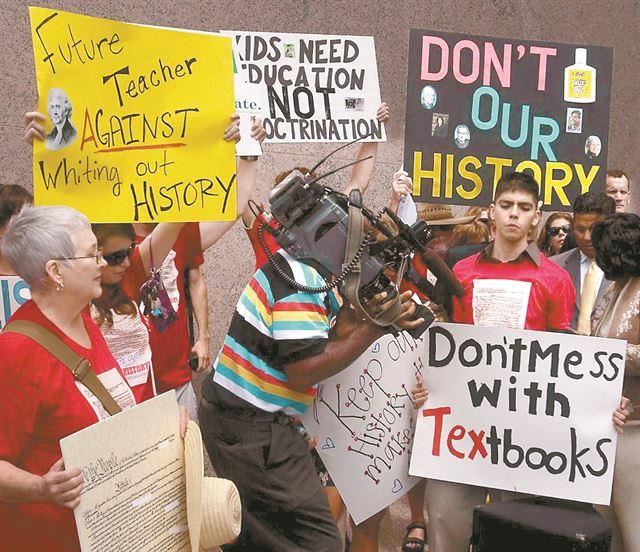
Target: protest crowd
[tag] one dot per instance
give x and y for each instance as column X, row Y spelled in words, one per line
column 131, row 299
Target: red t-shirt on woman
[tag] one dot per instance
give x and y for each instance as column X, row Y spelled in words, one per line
column 41, row 404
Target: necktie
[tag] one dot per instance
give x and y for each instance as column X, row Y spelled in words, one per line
column 588, row 298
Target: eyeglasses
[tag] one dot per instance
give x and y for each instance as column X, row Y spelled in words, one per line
column 118, row 257
column 556, row 229
column 98, row 257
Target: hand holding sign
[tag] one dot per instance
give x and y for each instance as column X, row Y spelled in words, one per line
column 401, row 185
column 419, row 393
column 232, row 132
column 383, row 113
column 622, row 413
column 61, row 486
column 34, row 129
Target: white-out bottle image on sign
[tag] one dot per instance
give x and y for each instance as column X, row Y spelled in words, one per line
column 580, row 80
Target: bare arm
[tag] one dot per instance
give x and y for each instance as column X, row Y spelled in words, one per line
column 200, row 302
column 349, row 338
column 362, row 172
column 246, row 174
column 347, row 341
column 17, row 485
column 58, row 485
column 161, row 239
column 211, row 232
column 247, row 215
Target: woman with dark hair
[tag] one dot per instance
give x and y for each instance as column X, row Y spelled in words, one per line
column 124, row 327
column 554, row 233
column 617, row 244
column 171, row 350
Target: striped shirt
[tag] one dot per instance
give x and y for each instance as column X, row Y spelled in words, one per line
column 274, row 325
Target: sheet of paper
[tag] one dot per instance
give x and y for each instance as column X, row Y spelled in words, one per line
column 363, row 421
column 249, row 103
column 500, row 303
column 407, row 211
column 134, row 486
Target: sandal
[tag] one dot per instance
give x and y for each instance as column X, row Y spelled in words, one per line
column 414, row 544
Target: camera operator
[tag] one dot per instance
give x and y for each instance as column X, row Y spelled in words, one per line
column 281, row 343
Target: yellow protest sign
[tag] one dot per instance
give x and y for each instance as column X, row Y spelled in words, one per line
column 135, row 118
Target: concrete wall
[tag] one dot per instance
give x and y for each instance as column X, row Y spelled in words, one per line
column 608, row 23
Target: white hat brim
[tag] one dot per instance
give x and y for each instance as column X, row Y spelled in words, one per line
column 194, row 473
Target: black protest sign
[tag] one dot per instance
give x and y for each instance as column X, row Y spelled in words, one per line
column 478, row 107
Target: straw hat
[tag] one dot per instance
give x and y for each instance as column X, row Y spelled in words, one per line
column 440, row 215
column 214, row 513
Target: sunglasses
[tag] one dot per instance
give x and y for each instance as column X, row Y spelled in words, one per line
column 556, row 230
column 118, row 257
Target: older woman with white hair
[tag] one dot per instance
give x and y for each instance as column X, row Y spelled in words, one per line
column 54, row 250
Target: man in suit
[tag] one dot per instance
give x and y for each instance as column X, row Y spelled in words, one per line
column 618, row 189
column 588, row 279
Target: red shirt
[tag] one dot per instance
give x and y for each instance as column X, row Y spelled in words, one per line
column 128, row 338
column 171, row 349
column 272, row 244
column 42, row 403
column 551, row 297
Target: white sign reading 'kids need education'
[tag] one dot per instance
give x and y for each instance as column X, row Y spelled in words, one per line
column 520, row 410
column 363, row 419
column 315, row 88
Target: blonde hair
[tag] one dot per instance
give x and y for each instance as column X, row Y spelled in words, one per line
column 475, row 231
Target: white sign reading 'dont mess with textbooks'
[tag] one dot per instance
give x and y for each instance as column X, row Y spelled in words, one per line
column 520, row 410
column 316, row 88
column 362, row 419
